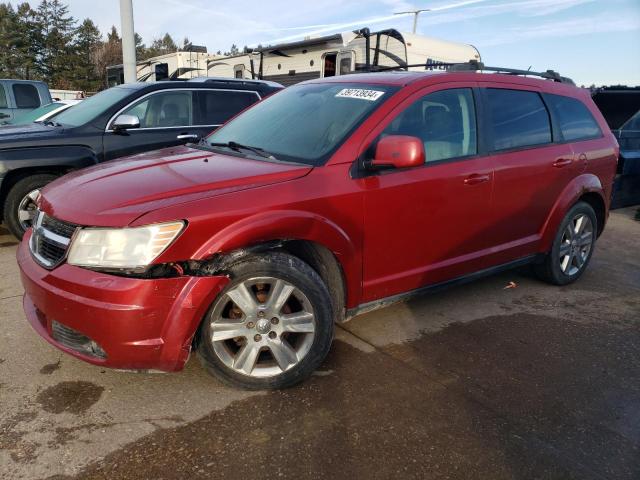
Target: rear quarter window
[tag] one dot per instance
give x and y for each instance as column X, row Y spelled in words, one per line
column 518, row 118
column 218, row 106
column 26, row 95
column 574, row 118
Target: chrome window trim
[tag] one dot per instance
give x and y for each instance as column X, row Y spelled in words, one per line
column 108, row 129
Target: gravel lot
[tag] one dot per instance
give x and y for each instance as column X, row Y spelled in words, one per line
column 478, row 381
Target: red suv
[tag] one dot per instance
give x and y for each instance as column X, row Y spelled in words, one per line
column 327, row 199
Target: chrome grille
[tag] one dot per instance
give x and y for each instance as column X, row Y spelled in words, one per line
column 76, row 341
column 50, row 240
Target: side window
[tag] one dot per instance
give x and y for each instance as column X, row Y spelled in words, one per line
column 218, row 106
column 164, row 109
column 330, row 60
column 633, row 124
column 518, row 119
column 26, row 95
column 238, row 71
column 345, row 62
column 3, row 97
column 575, row 119
column 444, row 120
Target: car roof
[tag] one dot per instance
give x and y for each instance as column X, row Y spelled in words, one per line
column 260, row 86
column 403, row 78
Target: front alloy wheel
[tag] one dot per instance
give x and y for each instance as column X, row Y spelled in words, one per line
column 262, row 327
column 271, row 327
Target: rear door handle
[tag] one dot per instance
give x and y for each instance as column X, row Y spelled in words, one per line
column 188, row 136
column 476, row 178
column 563, row 162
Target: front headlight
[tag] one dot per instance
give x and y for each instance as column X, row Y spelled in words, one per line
column 122, row 247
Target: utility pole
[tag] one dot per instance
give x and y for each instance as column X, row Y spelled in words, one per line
column 128, row 41
column 415, row 14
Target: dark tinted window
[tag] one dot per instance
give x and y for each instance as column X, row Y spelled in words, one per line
column 216, row 107
column 575, row 119
column 518, row 119
column 3, row 97
column 633, row 124
column 445, row 121
column 26, row 95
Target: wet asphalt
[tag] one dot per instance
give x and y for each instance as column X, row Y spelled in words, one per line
column 479, row 381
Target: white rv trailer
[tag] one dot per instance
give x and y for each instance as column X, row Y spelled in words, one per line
column 171, row 66
column 341, row 54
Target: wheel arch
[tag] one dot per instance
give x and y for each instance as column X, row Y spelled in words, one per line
column 322, row 244
column 587, row 188
column 21, row 163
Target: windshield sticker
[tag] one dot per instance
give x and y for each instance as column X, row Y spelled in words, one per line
column 360, row 93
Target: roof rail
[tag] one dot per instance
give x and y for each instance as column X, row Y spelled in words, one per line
column 475, row 65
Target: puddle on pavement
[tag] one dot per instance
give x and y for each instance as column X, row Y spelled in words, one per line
column 514, row 396
column 49, row 368
column 73, row 397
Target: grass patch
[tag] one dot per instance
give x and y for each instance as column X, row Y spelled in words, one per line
column 638, row 214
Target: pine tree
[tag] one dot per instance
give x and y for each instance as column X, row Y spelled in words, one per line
column 8, row 25
column 162, row 46
column 141, row 48
column 86, row 45
column 110, row 53
column 57, row 29
column 28, row 40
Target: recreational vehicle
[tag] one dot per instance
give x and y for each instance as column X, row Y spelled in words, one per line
column 171, row 66
column 341, row 54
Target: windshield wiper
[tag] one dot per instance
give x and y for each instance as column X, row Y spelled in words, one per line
column 51, row 123
column 238, row 146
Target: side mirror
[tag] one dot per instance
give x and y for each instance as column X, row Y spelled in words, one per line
column 125, row 122
column 399, row 151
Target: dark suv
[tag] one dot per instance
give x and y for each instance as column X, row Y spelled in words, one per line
column 123, row 120
column 328, row 199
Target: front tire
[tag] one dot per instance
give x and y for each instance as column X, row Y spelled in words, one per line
column 271, row 327
column 20, row 206
column 572, row 247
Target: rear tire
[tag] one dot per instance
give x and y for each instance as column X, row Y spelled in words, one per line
column 572, row 247
column 20, row 202
column 271, row 327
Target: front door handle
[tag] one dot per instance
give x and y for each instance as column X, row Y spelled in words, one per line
column 476, row 178
column 563, row 162
column 188, row 136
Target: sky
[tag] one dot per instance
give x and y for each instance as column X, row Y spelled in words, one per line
column 592, row 41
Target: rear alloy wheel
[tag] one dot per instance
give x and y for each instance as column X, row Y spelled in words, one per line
column 20, row 204
column 271, row 327
column 572, row 248
column 575, row 244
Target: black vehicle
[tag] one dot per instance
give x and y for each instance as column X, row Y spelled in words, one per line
column 620, row 107
column 117, row 122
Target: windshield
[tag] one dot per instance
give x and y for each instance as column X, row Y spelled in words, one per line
column 89, row 109
column 304, row 123
column 33, row 115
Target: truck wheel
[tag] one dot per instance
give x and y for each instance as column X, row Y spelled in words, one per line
column 20, row 204
column 572, row 248
column 271, row 327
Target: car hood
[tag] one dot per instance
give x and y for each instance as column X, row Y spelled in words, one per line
column 116, row 193
column 14, row 135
